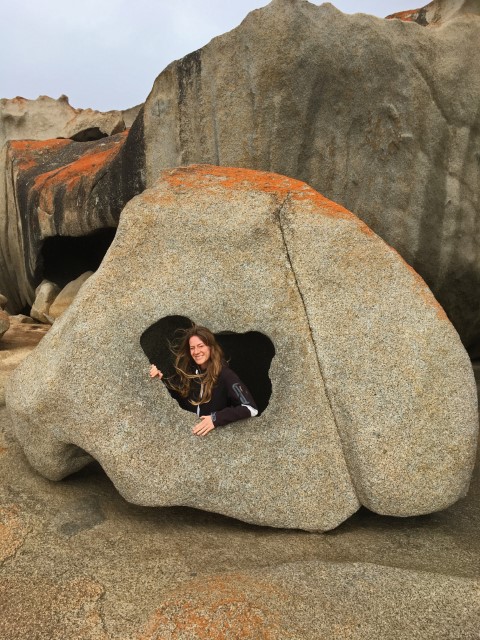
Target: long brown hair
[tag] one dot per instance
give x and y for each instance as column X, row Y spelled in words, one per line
column 185, row 365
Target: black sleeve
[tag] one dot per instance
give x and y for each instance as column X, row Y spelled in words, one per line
column 241, row 404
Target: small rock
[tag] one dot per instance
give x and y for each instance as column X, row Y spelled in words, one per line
column 4, row 322
column 66, row 296
column 3, row 301
column 45, row 294
column 20, row 318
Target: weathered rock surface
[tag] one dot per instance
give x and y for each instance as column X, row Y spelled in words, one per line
column 55, row 189
column 356, row 601
column 363, row 408
column 45, row 118
column 21, row 318
column 378, row 115
column 17, row 343
column 45, row 294
column 67, row 295
column 56, row 532
column 4, row 322
column 439, row 11
column 130, row 115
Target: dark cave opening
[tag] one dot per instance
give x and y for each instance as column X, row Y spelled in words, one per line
column 248, row 354
column 64, row 258
column 87, row 135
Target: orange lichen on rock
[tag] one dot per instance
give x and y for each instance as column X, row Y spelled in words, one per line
column 70, row 176
column 38, row 145
column 211, row 177
column 13, row 531
column 218, row 607
column 407, row 16
column 26, row 154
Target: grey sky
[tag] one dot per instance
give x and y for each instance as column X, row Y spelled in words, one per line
column 105, row 54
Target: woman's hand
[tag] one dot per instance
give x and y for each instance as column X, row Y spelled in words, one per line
column 204, row 426
column 154, row 372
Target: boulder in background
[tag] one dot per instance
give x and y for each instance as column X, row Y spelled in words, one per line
column 45, row 294
column 439, row 11
column 67, row 295
column 46, row 118
column 56, row 189
column 4, row 322
column 380, row 116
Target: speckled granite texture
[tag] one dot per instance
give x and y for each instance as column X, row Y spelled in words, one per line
column 373, row 396
column 380, row 116
column 356, row 601
column 4, row 322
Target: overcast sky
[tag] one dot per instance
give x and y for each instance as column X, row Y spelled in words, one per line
column 106, row 54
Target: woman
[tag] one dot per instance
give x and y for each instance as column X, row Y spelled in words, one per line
column 205, row 384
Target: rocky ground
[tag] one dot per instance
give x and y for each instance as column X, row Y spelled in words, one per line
column 78, row 562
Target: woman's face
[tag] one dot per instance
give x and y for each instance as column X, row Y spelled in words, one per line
column 199, row 351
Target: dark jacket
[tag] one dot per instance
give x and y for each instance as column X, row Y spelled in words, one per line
column 231, row 400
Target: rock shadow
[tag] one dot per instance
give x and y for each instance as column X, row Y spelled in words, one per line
column 64, row 258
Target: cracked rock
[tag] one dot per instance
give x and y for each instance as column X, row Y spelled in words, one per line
column 373, row 397
column 379, row 115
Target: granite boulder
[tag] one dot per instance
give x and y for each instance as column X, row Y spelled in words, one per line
column 373, row 399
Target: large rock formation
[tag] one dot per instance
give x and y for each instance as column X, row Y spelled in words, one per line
column 45, row 118
column 62, row 188
column 373, row 399
column 439, row 11
column 51, row 189
column 59, row 205
column 378, row 115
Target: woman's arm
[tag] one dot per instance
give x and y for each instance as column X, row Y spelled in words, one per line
column 241, row 403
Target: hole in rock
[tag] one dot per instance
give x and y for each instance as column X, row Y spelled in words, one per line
column 64, row 258
column 248, row 354
column 87, row 135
